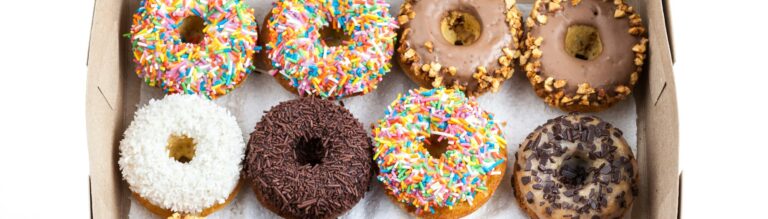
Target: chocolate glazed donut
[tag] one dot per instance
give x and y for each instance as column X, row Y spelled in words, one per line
column 467, row 45
column 584, row 55
column 309, row 158
column 575, row 166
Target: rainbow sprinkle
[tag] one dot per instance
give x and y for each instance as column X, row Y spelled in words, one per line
column 300, row 55
column 212, row 67
column 411, row 175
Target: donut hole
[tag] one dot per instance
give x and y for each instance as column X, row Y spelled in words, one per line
column 309, row 151
column 460, row 28
column 583, row 42
column 574, row 171
column 181, row 148
column 436, row 146
column 333, row 36
column 191, row 29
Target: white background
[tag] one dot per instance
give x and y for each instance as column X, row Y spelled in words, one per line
column 720, row 72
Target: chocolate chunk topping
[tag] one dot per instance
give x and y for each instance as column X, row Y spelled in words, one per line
column 309, row 158
column 525, row 180
column 572, row 155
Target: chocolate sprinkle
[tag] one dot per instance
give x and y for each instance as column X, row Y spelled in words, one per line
column 309, row 158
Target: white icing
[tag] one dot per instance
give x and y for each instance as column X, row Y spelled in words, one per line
column 207, row 179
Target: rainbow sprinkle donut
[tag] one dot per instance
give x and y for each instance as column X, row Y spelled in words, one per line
column 463, row 177
column 299, row 57
column 193, row 46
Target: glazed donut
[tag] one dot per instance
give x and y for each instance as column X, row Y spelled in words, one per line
column 575, row 166
column 584, row 55
column 328, row 49
column 309, row 158
column 417, row 174
column 188, row 46
column 467, row 45
column 182, row 154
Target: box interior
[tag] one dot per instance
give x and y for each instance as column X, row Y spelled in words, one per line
column 112, row 94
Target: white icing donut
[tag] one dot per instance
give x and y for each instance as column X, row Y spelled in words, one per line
column 211, row 174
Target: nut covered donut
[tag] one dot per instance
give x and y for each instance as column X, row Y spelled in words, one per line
column 575, row 166
column 329, row 49
column 309, row 158
column 439, row 155
column 467, row 45
column 584, row 55
column 190, row 46
column 182, row 154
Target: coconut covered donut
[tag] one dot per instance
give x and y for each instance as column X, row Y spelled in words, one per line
column 584, row 55
column 467, row 45
column 575, row 166
column 328, row 49
column 309, row 158
column 182, row 154
column 191, row 46
column 439, row 155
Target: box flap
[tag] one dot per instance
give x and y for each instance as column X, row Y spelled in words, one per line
column 104, row 108
column 658, row 123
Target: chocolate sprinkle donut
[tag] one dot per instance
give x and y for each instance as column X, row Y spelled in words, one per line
column 575, row 166
column 309, row 158
column 584, row 55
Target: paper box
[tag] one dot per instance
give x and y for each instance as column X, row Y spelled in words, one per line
column 112, row 94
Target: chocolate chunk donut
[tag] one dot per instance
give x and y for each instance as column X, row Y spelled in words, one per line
column 575, row 166
column 309, row 158
column 584, row 55
column 467, row 45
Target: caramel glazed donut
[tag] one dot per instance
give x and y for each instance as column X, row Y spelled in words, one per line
column 466, row 45
column 575, row 166
column 584, row 55
column 309, row 158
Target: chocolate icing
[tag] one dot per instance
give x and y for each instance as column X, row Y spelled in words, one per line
column 611, row 68
column 496, row 34
column 575, row 84
column 576, row 166
column 309, row 158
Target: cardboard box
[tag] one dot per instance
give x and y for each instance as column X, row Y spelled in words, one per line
column 112, row 94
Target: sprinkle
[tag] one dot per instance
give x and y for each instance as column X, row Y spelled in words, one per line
column 221, row 60
column 474, row 147
column 298, row 52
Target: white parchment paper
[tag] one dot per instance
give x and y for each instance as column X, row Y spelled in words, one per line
column 516, row 104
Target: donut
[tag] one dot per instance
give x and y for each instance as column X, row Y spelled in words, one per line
column 328, row 49
column 575, row 166
column 182, row 154
column 309, row 158
column 466, row 45
column 439, row 155
column 194, row 47
column 584, row 55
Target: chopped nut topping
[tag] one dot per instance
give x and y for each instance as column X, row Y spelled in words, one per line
column 402, row 19
column 408, row 54
column 619, row 13
column 509, row 3
column 548, row 84
column 584, row 88
column 452, row 70
column 553, row 6
column 575, row 2
column 560, row 84
column 542, row 19
column 536, row 53
column 538, row 41
column 428, row 45
column 425, row 67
